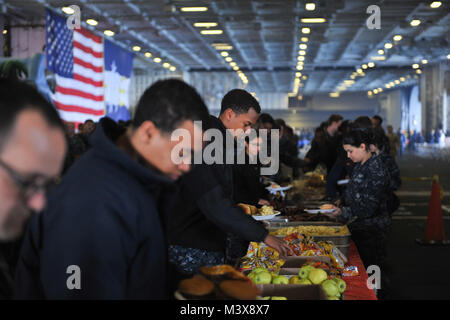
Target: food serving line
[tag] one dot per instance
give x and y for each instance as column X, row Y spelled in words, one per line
column 326, row 264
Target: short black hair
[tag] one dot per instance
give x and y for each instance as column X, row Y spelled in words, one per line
column 16, row 97
column 266, row 118
column 378, row 138
column 167, row 103
column 357, row 136
column 362, row 122
column 240, row 101
column 89, row 121
column 378, row 118
column 280, row 123
column 334, row 118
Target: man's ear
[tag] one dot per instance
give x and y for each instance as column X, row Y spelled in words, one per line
column 229, row 113
column 146, row 131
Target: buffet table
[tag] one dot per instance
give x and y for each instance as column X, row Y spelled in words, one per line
column 356, row 286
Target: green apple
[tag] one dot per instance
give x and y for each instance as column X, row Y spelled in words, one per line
column 304, row 271
column 263, row 277
column 304, row 281
column 329, row 286
column 280, row 280
column 266, row 298
column 279, row 298
column 274, row 274
column 341, row 284
column 294, row 280
column 251, row 276
column 317, row 276
column 333, row 298
column 259, row 269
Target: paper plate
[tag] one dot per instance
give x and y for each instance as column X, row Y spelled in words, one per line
column 268, row 217
column 278, row 189
column 341, row 182
column 316, row 211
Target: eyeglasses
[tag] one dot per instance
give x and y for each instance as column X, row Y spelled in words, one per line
column 28, row 188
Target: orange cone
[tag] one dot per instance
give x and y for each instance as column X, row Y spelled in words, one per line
column 435, row 223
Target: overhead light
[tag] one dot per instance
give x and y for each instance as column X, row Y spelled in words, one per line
column 375, row 91
column 334, row 94
column 371, row 64
column 424, row 61
column 388, row 45
column 378, row 58
column 448, row 56
column 359, row 70
column 235, row 68
column 194, row 9
column 418, row 71
column 222, row 46
column 349, row 82
column 301, row 58
column 306, row 30
column 5, row 31
column 313, row 20
column 232, row 64
column 68, row 10
column 300, row 63
column 304, row 39
column 381, row 51
column 303, row 46
column 392, row 84
column 310, row 6
column 166, row 65
column 224, row 54
column 298, row 74
column 415, row 22
column 92, row 22
column 157, row 60
column 402, row 79
column 108, row 33
column 369, row 93
column 136, row 48
column 352, row 76
column 205, row 24
column 305, row 77
column 397, row 81
column 300, row 68
column 364, row 66
column 148, row 55
column 380, row 90
column 172, row 68
column 302, row 52
column 415, row 66
column 435, row 4
column 387, row 85
column 228, row 59
column 211, row 31
column 397, row 37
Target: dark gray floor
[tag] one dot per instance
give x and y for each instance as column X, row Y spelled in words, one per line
column 419, row 272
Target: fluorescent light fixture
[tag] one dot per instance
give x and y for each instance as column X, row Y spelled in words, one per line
column 303, row 46
column 313, row 20
column 205, row 24
column 435, row 4
column 157, row 60
column 67, row 10
column 306, row 30
column 194, row 9
column 108, row 33
column 232, row 64
column 388, row 45
column 211, row 31
column 310, row 6
column 364, row 66
column 228, row 59
column 148, row 55
column 136, row 48
column 224, row 54
column 222, row 46
column 415, row 22
column 371, row 64
column 397, row 37
column 381, row 51
column 92, row 22
column 304, row 39
column 424, row 61
column 172, row 68
column 302, row 52
column 415, row 66
column 378, row 58
column 301, row 58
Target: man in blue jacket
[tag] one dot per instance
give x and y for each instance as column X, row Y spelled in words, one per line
column 101, row 236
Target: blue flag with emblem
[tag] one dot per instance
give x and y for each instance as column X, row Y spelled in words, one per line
column 118, row 69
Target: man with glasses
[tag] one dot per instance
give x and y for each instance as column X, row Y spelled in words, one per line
column 32, row 148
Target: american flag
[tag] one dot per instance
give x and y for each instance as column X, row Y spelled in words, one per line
column 76, row 58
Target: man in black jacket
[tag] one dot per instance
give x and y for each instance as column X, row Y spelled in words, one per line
column 204, row 210
column 101, row 236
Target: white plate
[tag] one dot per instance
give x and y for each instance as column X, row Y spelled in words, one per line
column 278, row 189
column 316, row 211
column 341, row 182
column 268, row 217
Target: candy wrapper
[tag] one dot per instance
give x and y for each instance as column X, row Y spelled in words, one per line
column 338, row 259
column 303, row 245
column 350, row 271
column 259, row 255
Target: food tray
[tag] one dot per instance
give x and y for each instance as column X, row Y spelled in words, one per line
column 293, row 291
